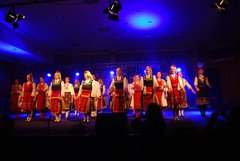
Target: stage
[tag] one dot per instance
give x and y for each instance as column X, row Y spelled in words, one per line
column 192, row 123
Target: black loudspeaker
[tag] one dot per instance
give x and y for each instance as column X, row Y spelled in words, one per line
column 111, row 124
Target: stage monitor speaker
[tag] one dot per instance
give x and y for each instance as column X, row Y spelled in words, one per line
column 111, row 124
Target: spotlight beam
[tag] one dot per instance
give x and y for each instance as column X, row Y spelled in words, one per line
column 29, row 3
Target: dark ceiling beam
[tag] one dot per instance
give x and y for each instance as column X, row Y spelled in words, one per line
column 29, row 2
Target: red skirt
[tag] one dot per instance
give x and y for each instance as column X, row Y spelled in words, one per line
column 159, row 97
column 137, row 100
column 101, row 103
column 55, row 105
column 119, row 101
column 148, row 98
column 175, row 98
column 27, row 102
column 84, row 101
column 76, row 101
column 41, row 101
column 14, row 102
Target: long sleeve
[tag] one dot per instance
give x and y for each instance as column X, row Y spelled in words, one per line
column 141, row 83
column 45, row 87
column 71, row 90
column 96, row 92
column 155, row 83
column 130, row 89
column 50, row 90
column 62, row 89
column 180, row 83
column 125, row 84
column 169, row 85
column 195, row 81
column 104, row 90
column 111, row 87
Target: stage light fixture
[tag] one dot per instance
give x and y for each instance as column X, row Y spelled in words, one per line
column 179, row 69
column 113, row 10
column 13, row 18
column 49, row 75
column 111, row 72
column 77, row 74
column 221, row 5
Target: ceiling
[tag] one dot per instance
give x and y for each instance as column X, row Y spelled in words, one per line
column 77, row 27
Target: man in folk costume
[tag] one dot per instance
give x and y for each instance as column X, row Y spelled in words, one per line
column 28, row 96
column 149, row 83
column 161, row 91
column 202, row 84
column 184, row 95
column 68, row 91
column 174, row 83
column 88, row 92
column 119, row 92
column 135, row 93
column 76, row 88
column 102, row 103
column 41, row 97
column 56, row 92
column 16, row 91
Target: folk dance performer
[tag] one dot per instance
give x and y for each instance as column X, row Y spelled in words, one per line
column 161, row 91
column 174, row 83
column 202, row 84
column 41, row 97
column 56, row 92
column 68, row 97
column 88, row 93
column 16, row 90
column 135, row 92
column 102, row 103
column 149, row 83
column 76, row 99
column 119, row 92
column 28, row 96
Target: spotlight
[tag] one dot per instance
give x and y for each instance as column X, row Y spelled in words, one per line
column 111, row 72
column 113, row 10
column 12, row 17
column 221, row 5
column 77, row 74
column 49, row 75
column 179, row 69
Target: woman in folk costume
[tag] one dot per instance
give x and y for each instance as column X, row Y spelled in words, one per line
column 88, row 92
column 161, row 91
column 75, row 98
column 149, row 83
column 68, row 97
column 202, row 84
column 135, row 92
column 119, row 92
column 102, row 103
column 28, row 96
column 41, row 97
column 16, row 91
column 175, row 85
column 56, row 92
column 184, row 95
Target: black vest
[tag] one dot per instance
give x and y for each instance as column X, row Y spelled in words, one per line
column 148, row 82
column 87, row 86
column 118, row 83
column 56, row 87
